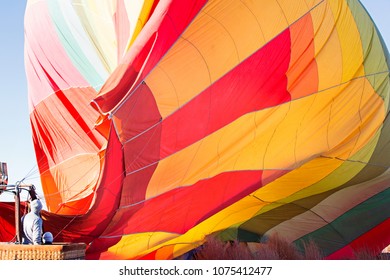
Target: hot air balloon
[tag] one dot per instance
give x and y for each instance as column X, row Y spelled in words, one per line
column 158, row 123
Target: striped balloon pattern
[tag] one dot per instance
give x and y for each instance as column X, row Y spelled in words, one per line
column 158, row 123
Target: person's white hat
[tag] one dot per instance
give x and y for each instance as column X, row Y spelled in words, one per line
column 47, row 238
column 36, row 206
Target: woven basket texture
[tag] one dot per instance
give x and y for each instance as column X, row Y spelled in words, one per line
column 56, row 251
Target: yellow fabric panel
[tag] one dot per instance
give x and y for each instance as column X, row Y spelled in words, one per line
column 234, row 22
column 234, row 214
column 283, row 137
column 192, row 65
column 66, row 176
column 322, row 174
column 365, row 113
column 297, row 179
column 344, row 173
column 350, row 42
column 339, row 52
column 322, row 214
column 180, row 75
column 339, row 171
column 133, row 245
column 316, row 177
column 98, row 23
column 292, row 10
column 142, row 17
column 384, row 81
column 266, row 13
column 365, row 124
column 327, row 47
column 280, row 13
column 217, row 153
column 312, row 3
column 220, row 221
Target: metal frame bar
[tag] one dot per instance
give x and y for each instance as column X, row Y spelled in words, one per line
column 16, row 190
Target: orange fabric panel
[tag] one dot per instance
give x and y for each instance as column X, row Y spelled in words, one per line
column 67, row 145
column 302, row 74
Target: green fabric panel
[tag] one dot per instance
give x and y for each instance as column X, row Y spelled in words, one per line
column 256, row 227
column 380, row 159
column 72, row 47
column 263, row 222
column 376, row 55
column 351, row 224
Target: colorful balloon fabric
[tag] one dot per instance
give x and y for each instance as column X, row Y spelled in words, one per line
column 158, row 123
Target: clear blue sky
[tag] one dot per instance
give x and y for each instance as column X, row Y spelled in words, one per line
column 15, row 142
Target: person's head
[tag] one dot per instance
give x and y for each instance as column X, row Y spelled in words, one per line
column 47, row 238
column 36, row 206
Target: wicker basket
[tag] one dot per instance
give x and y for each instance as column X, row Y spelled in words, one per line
column 56, row 251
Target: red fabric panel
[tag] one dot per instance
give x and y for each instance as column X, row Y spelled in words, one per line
column 85, row 228
column 182, row 208
column 122, row 80
column 201, row 116
column 137, row 114
column 150, row 256
column 99, row 248
column 169, row 20
column 135, row 185
column 68, row 118
column 133, row 119
column 7, row 220
column 178, row 210
column 374, row 240
column 63, row 127
column 67, row 99
column 257, row 83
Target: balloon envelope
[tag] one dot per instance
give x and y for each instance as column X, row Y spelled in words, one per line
column 158, row 123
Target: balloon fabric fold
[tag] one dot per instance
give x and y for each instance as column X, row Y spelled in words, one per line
column 158, row 123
